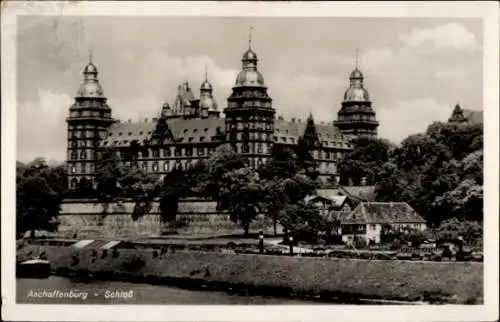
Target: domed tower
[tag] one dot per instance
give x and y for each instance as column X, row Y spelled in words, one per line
column 356, row 117
column 88, row 121
column 249, row 114
column 208, row 106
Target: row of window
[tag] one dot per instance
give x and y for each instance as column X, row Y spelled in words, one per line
column 357, row 117
column 251, row 126
column 101, row 114
column 83, row 155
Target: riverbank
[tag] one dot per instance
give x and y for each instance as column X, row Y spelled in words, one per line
column 330, row 280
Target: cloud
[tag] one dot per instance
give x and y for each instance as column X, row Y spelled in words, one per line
column 448, row 36
column 410, row 117
column 41, row 130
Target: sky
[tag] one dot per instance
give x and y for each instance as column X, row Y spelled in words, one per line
column 416, row 69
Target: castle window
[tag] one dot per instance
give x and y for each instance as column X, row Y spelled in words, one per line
column 166, row 152
column 185, row 130
column 202, row 138
column 105, row 143
column 155, row 167
column 194, row 130
column 82, row 135
column 277, row 130
column 149, row 132
column 283, row 139
column 190, row 139
column 120, row 133
column 200, row 151
column 206, row 129
column 177, row 152
column 165, row 166
column 83, row 155
column 129, row 133
column 246, row 148
column 286, row 131
column 292, row 139
column 115, row 142
column 73, row 169
column 110, row 133
column 145, row 153
column 141, row 133
column 275, row 138
column 259, row 148
column 84, row 168
column 74, row 183
column 156, row 153
column 189, row 151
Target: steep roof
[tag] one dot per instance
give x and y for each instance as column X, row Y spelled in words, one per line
column 288, row 132
column 383, row 212
column 474, row 117
column 121, row 134
column 363, row 193
column 195, row 130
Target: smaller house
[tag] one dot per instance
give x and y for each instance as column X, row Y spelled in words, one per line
column 327, row 203
column 367, row 219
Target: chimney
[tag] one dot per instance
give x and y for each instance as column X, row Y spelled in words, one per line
column 293, row 120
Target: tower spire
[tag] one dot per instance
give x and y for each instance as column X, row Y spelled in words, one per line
column 206, row 73
column 90, row 55
column 250, row 37
column 357, row 58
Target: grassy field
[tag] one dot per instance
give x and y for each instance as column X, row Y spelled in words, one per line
column 347, row 279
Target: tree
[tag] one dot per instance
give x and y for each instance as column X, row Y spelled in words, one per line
column 364, row 160
column 450, row 230
column 303, row 221
column 174, row 187
column 241, row 194
column 38, row 200
column 439, row 173
column 282, row 183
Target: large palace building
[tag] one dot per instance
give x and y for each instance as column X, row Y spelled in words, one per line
column 191, row 128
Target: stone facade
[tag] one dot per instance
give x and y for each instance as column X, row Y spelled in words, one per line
column 191, row 129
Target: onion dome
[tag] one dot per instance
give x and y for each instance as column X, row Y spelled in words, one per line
column 249, row 55
column 356, row 74
column 90, row 87
column 206, row 86
column 249, row 78
column 356, row 92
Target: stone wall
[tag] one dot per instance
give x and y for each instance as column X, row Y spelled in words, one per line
column 86, row 220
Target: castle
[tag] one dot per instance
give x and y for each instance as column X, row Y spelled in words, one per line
column 190, row 129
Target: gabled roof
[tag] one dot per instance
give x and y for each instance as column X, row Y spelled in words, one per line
column 474, row 117
column 363, row 193
column 288, row 132
column 383, row 212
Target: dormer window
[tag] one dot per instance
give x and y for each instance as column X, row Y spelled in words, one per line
column 202, row 138
column 185, row 130
column 120, row 133
column 194, row 130
column 141, row 133
column 206, row 129
column 110, row 133
column 129, row 133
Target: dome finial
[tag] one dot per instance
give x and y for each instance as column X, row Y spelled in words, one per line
column 250, row 37
column 90, row 55
column 357, row 57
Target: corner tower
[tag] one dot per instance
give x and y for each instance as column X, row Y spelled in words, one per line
column 249, row 114
column 356, row 117
column 88, row 121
